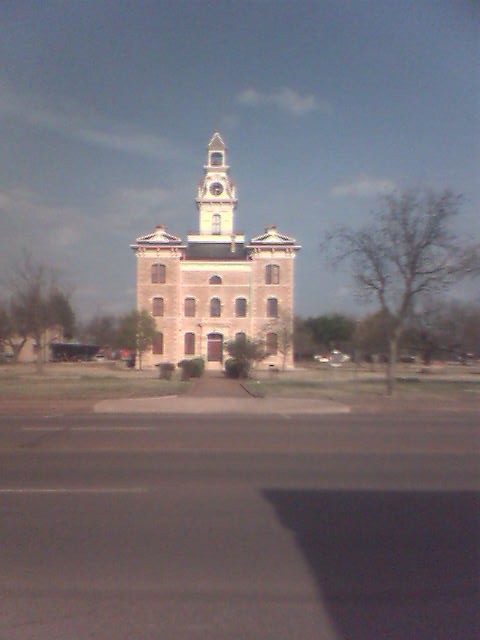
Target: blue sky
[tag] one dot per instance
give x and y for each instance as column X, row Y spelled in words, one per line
column 106, row 108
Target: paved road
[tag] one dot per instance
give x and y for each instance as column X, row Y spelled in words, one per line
column 336, row 528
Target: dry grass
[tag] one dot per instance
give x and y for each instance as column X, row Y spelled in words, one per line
column 365, row 390
column 76, row 386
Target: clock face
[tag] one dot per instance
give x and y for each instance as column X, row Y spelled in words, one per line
column 216, row 189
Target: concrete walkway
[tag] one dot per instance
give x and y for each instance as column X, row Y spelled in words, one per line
column 215, row 384
column 215, row 394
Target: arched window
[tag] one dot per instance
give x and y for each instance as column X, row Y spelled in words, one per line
column 158, row 307
column 215, row 280
column 189, row 310
column 272, row 274
column 216, row 159
column 271, row 344
column 216, row 224
column 158, row 343
column 158, row 273
column 189, row 344
column 215, row 308
column 240, row 336
column 272, row 308
column 241, row 307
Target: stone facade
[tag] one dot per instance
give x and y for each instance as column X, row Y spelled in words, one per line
column 207, row 290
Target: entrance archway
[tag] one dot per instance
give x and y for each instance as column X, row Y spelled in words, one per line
column 215, row 347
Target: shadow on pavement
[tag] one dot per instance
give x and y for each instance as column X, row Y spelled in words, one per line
column 389, row 565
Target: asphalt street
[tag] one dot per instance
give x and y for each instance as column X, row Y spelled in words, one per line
column 162, row 527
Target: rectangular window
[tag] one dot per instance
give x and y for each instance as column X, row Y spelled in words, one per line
column 272, row 308
column 189, row 344
column 158, row 344
column 215, row 308
column 158, row 273
column 241, row 307
column 272, row 274
column 271, row 345
column 216, row 224
column 158, row 307
column 189, row 307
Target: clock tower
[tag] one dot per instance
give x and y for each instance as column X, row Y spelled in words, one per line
column 216, row 199
column 217, row 286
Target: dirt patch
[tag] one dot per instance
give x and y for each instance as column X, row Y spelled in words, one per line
column 383, row 404
column 44, row 406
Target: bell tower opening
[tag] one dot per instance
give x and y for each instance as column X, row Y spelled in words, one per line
column 216, row 159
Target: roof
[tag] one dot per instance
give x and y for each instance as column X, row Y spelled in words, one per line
column 216, row 143
column 216, row 251
column 159, row 236
column 272, row 236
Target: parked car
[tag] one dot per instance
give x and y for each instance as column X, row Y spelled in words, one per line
column 335, row 358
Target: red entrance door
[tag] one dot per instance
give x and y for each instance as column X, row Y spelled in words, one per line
column 215, row 347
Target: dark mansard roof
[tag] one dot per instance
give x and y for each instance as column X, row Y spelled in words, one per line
column 215, row 251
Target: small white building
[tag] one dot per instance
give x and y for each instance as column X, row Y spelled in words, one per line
column 216, row 285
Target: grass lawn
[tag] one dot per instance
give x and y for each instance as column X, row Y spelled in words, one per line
column 411, row 391
column 82, row 384
column 76, row 387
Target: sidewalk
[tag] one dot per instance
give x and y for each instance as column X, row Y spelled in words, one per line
column 216, row 394
column 214, row 384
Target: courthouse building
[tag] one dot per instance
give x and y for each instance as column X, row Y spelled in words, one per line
column 216, row 286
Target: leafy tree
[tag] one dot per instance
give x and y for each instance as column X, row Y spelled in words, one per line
column 101, row 330
column 136, row 331
column 408, row 251
column 330, row 331
column 443, row 328
column 371, row 333
column 246, row 352
column 303, row 342
column 62, row 311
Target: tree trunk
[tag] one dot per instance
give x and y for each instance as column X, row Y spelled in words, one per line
column 16, row 348
column 392, row 364
column 39, row 355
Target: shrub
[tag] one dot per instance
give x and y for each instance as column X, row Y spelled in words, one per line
column 198, row 367
column 192, row 368
column 165, row 370
column 235, row 368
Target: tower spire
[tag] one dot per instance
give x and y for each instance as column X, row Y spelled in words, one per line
column 216, row 199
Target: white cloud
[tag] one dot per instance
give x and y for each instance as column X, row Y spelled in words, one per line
column 285, row 99
column 364, row 187
column 89, row 129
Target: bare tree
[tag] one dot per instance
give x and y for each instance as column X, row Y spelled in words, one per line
column 37, row 302
column 9, row 336
column 408, row 250
column 283, row 328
